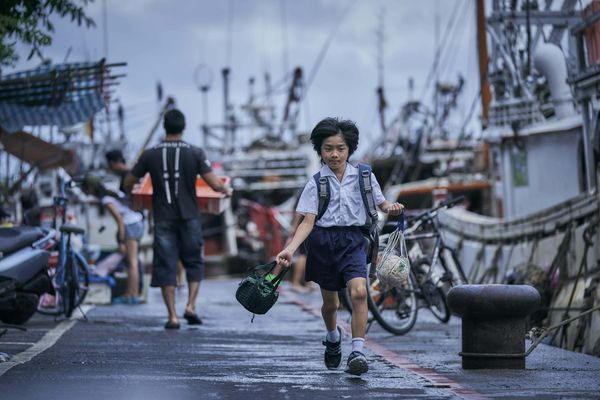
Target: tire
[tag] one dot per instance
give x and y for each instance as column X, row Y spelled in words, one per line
column 395, row 309
column 78, row 283
column 72, row 290
column 433, row 294
column 67, row 289
column 21, row 309
column 70, row 295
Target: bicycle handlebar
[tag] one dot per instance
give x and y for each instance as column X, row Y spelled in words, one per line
column 400, row 224
column 62, row 199
column 445, row 204
column 69, row 184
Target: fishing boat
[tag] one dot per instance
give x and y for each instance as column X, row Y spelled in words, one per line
column 540, row 121
column 268, row 162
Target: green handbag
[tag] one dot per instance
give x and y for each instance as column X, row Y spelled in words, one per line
column 255, row 292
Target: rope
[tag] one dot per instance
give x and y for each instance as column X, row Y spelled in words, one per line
column 491, row 274
column 533, row 250
column 560, row 259
column 589, row 242
column 536, row 335
column 476, row 264
column 508, row 259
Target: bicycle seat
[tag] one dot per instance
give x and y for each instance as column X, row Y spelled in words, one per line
column 72, row 229
column 15, row 238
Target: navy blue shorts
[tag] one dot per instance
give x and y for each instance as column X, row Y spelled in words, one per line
column 335, row 255
column 177, row 240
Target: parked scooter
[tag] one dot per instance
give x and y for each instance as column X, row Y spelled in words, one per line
column 24, row 255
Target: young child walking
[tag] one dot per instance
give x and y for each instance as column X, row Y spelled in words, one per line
column 336, row 250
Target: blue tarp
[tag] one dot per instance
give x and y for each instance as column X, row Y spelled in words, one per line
column 60, row 95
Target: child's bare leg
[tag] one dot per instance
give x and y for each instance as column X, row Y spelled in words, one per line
column 133, row 273
column 329, row 309
column 360, row 311
column 298, row 274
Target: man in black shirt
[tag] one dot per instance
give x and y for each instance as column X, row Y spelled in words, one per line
column 173, row 166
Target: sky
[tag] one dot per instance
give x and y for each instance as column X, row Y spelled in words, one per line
column 171, row 42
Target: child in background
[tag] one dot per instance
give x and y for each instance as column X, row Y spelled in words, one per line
column 336, row 250
column 130, row 229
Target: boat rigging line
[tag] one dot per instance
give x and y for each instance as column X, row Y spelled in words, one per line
column 229, row 32
column 284, row 37
column 313, row 72
column 438, row 51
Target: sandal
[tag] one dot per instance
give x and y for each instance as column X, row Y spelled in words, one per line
column 172, row 325
column 192, row 318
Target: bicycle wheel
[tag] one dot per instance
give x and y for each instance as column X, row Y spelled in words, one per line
column 66, row 291
column 432, row 293
column 76, row 283
column 394, row 308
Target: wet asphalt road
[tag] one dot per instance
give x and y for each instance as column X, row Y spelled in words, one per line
column 123, row 352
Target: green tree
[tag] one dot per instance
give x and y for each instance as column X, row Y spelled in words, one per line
column 28, row 22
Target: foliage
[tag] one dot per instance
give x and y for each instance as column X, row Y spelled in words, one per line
column 29, row 22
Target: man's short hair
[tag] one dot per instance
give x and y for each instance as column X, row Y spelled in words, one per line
column 174, row 122
column 114, row 156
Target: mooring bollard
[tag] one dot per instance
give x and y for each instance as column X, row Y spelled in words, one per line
column 493, row 323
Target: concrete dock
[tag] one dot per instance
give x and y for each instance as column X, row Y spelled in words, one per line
column 123, row 352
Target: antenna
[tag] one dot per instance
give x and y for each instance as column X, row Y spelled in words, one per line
column 68, row 54
column 284, row 38
column 380, row 36
column 105, row 28
column 203, row 78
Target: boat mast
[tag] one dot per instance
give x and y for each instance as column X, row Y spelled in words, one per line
column 483, row 62
column 227, row 123
column 381, row 102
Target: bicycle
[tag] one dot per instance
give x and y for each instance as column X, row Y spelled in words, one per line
column 70, row 273
column 396, row 308
column 429, row 277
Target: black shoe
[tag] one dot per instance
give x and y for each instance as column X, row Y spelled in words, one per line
column 333, row 352
column 357, row 363
column 192, row 318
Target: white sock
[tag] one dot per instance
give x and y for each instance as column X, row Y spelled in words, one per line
column 333, row 336
column 357, row 344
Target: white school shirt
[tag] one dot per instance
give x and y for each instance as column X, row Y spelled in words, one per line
column 129, row 216
column 346, row 206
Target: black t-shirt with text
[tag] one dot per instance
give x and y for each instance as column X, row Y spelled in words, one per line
column 173, row 167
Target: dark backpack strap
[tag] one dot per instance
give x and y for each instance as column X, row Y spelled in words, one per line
column 366, row 191
column 370, row 229
column 323, row 193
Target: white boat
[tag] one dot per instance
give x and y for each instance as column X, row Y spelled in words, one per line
column 542, row 131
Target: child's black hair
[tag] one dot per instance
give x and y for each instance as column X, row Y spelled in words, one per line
column 174, row 122
column 332, row 126
column 114, row 155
